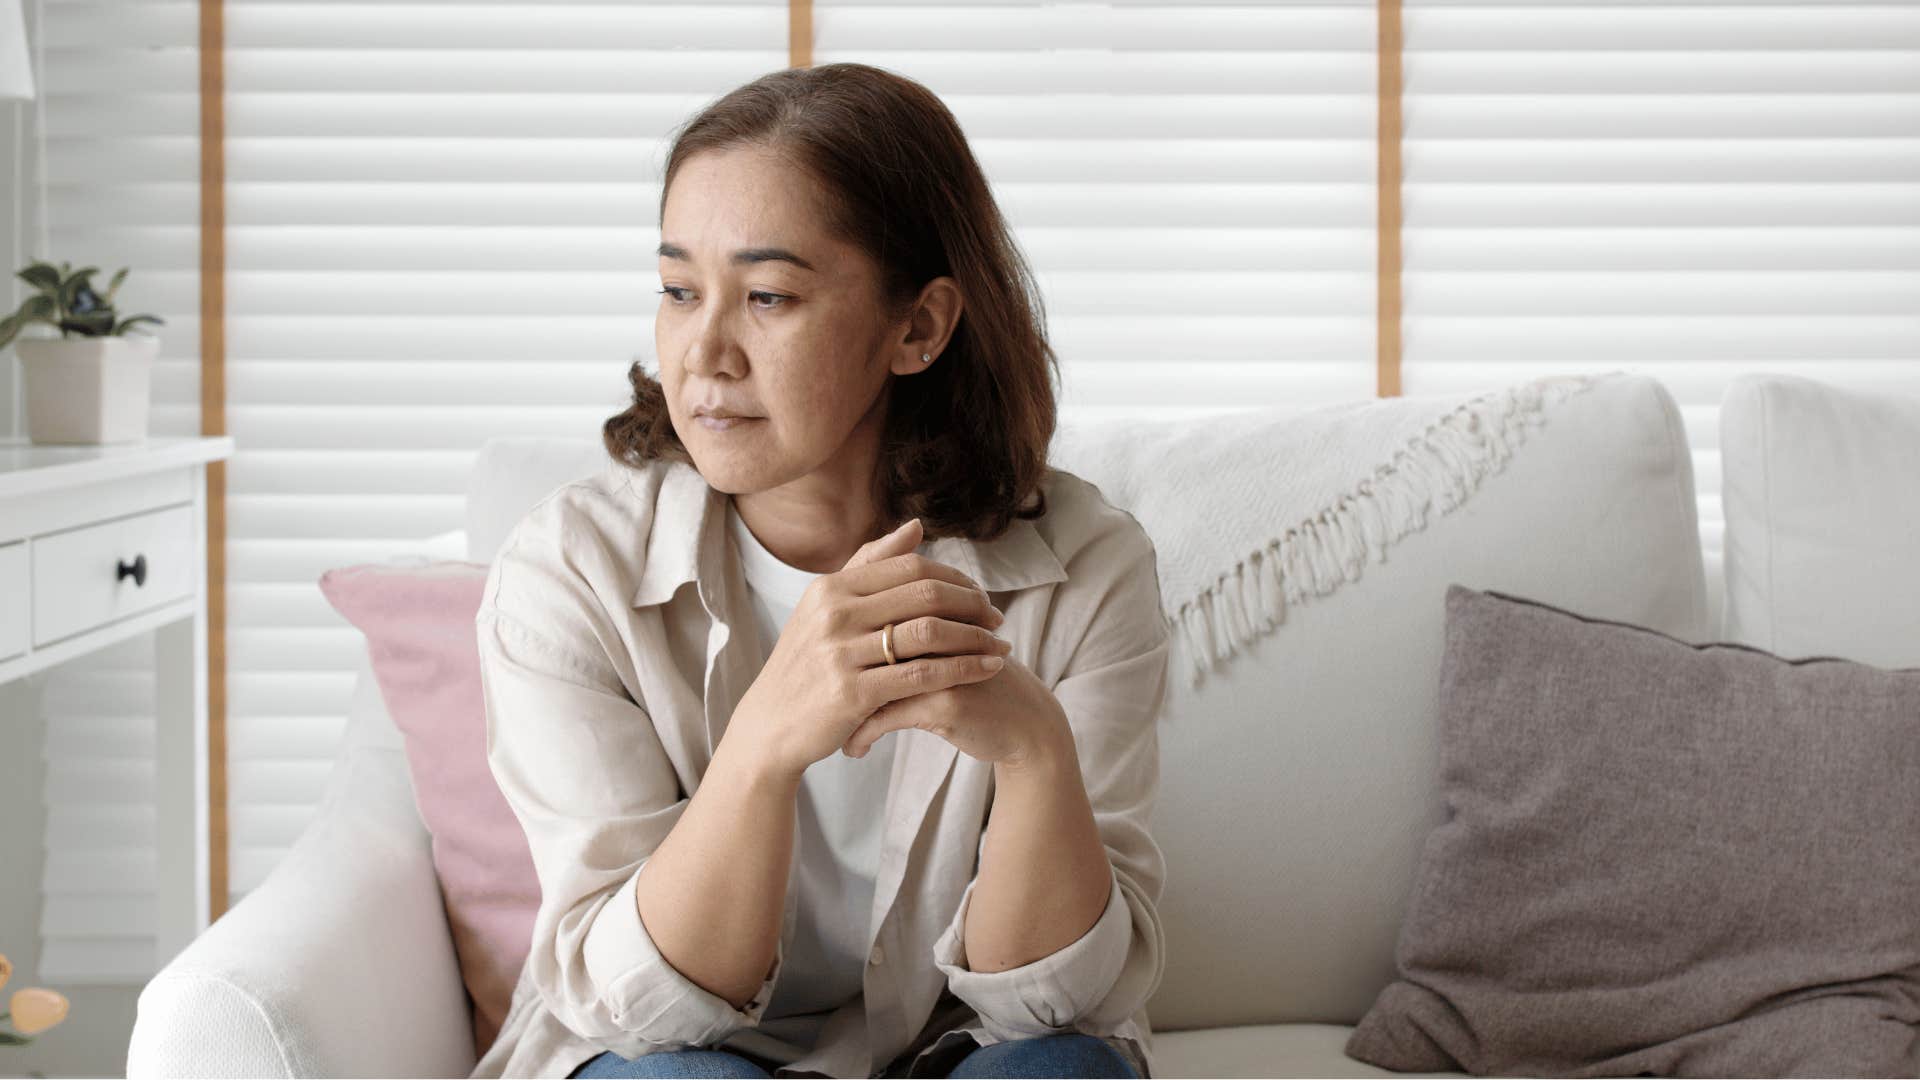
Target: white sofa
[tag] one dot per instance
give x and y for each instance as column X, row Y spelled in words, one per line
column 1279, row 935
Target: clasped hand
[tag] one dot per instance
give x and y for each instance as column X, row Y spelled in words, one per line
column 828, row 686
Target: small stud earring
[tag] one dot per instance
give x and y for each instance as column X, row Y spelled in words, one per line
column 926, row 358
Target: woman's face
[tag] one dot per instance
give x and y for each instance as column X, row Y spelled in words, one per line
column 763, row 312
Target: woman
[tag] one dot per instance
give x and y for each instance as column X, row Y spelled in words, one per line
column 871, row 798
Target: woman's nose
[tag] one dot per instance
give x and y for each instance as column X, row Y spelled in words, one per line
column 713, row 349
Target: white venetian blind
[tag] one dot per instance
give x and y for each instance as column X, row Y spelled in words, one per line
column 441, row 220
column 441, row 217
column 1693, row 191
column 1193, row 183
column 120, row 85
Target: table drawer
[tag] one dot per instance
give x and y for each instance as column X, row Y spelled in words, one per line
column 13, row 599
column 78, row 583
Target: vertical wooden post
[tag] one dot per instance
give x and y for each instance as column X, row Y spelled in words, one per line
column 799, row 33
column 213, row 421
column 1387, row 187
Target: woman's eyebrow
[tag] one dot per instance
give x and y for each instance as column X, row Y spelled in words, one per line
column 743, row 256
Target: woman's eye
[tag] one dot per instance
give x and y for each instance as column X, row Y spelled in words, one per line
column 764, row 300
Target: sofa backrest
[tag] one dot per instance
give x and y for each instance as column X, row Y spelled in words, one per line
column 1298, row 779
column 512, row 473
column 1822, row 503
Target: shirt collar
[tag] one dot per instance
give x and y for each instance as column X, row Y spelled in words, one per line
column 679, row 553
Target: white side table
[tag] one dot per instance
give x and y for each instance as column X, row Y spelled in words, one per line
column 99, row 544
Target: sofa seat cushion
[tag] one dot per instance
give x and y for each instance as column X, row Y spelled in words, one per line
column 1263, row 1050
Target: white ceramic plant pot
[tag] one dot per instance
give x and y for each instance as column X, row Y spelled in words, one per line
column 87, row 389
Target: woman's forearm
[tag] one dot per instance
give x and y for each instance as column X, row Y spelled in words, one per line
column 713, row 893
column 1044, row 873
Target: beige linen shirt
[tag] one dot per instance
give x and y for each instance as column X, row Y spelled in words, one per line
column 608, row 684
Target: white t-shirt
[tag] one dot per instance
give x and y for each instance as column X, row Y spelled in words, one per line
column 836, row 844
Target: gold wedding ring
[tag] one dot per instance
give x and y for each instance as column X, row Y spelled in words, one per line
column 886, row 642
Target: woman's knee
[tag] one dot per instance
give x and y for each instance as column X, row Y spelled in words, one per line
column 701, row 1064
column 1074, row 1054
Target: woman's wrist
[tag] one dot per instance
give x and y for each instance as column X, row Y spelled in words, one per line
column 750, row 753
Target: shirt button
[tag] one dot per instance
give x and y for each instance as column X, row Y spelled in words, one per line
column 878, row 955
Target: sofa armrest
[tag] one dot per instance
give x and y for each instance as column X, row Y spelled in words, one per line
column 339, row 964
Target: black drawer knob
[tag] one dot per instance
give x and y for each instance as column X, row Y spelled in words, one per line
column 137, row 570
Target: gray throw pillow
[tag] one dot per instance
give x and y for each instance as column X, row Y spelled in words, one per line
column 1659, row 858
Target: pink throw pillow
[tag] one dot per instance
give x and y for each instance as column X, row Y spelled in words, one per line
column 418, row 621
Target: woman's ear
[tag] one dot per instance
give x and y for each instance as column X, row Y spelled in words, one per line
column 935, row 315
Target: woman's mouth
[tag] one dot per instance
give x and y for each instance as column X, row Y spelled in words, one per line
column 716, row 423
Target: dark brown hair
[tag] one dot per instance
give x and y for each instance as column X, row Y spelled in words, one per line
column 966, row 441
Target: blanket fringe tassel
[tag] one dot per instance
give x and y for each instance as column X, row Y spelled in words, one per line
column 1444, row 464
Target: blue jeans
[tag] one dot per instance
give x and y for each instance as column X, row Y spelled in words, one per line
column 1072, row 1055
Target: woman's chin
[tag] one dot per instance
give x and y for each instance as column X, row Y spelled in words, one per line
column 731, row 471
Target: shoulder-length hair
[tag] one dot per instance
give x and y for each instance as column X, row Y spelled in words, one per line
column 966, row 440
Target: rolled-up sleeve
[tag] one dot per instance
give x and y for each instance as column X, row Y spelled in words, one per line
column 1048, row 995
column 1113, row 689
column 582, row 767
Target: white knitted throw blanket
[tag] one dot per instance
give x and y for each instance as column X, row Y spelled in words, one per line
column 1252, row 511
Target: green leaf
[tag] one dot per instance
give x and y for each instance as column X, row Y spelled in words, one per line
column 39, row 306
column 41, row 276
column 8, row 1038
column 9, row 328
column 119, row 276
column 133, row 320
column 70, row 288
column 92, row 324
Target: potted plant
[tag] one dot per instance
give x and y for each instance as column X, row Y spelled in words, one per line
column 90, row 384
